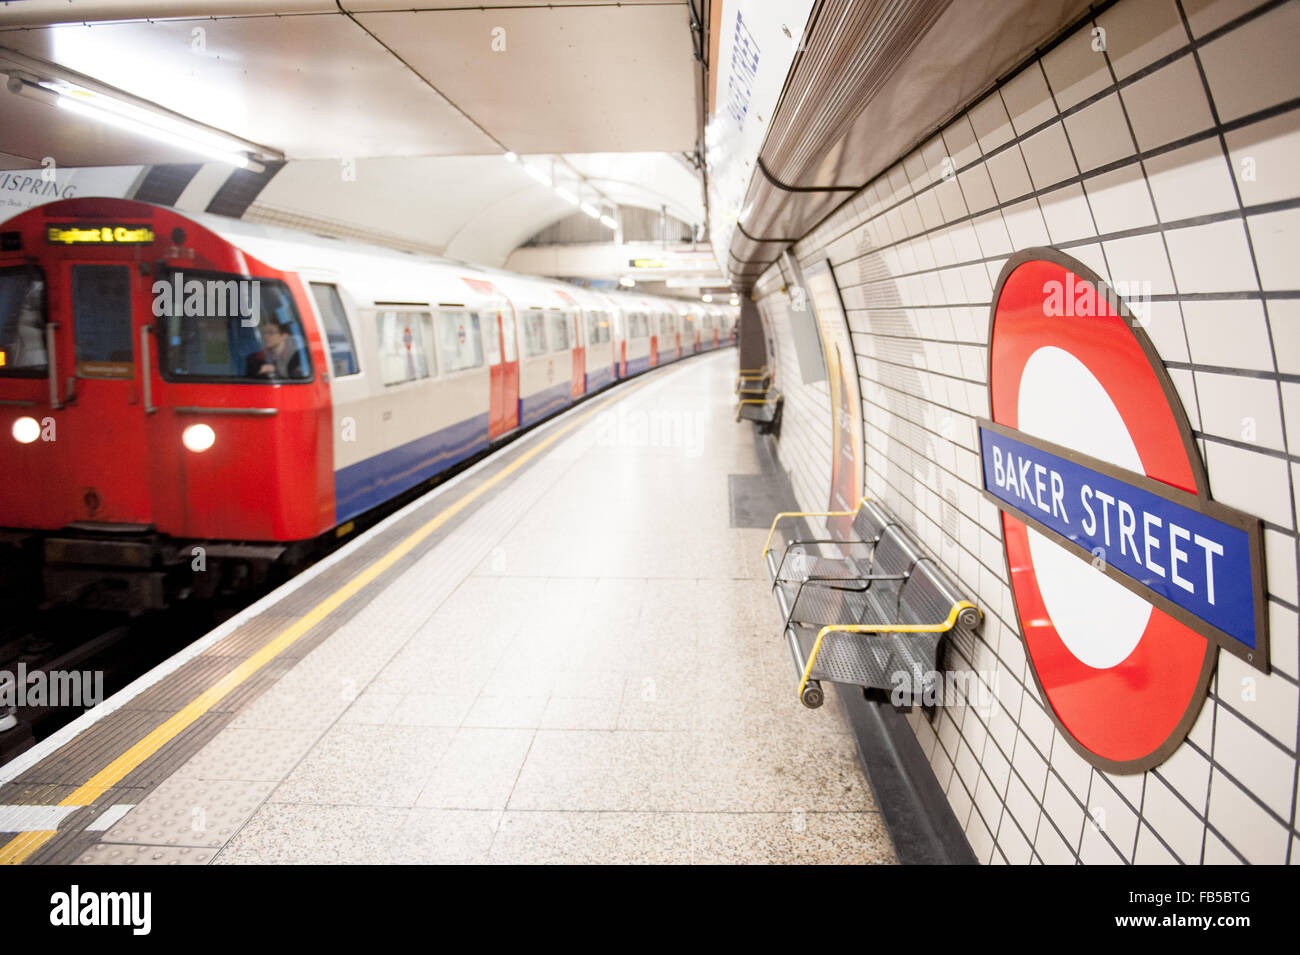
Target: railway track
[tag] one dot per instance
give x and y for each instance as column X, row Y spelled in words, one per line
column 55, row 664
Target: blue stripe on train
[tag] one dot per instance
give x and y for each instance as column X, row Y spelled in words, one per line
column 543, row 403
column 635, row 365
column 369, row 483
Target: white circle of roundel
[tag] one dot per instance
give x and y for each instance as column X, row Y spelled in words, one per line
column 1060, row 400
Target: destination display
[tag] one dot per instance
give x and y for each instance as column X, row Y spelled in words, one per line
column 69, row 233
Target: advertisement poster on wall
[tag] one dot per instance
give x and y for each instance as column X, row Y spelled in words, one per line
column 842, row 381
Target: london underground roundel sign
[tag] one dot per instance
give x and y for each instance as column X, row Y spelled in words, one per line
column 1127, row 578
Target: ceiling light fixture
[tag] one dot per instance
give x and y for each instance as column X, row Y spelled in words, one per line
column 138, row 120
column 566, row 195
column 609, row 221
column 543, row 177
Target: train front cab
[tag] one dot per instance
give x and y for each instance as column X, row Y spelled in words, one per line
column 123, row 343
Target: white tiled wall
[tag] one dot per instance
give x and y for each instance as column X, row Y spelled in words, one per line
column 805, row 446
column 1172, row 157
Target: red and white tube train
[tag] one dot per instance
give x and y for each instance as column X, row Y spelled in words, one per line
column 182, row 393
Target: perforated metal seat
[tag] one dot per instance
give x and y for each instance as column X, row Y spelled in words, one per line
column 753, row 383
column 762, row 410
column 874, row 615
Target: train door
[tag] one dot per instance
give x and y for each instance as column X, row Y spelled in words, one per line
column 619, row 322
column 510, row 367
column 579, row 354
column 654, row 318
column 503, row 361
column 104, row 363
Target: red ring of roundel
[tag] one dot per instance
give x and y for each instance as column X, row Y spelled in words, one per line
column 1126, row 713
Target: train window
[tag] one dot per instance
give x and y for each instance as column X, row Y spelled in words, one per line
column 511, row 344
column 459, row 340
column 559, row 331
column 597, row 328
column 343, row 355
column 22, row 323
column 534, row 332
column 405, row 346
column 101, row 318
column 492, row 339
column 220, row 327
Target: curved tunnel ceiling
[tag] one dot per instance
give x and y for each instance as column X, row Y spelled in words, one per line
column 476, row 208
column 422, row 102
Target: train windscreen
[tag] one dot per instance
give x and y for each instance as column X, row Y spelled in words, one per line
column 22, row 323
column 218, row 327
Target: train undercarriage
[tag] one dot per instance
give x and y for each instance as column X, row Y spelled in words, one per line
column 135, row 569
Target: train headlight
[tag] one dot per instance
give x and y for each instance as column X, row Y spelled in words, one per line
column 198, row 437
column 26, row 430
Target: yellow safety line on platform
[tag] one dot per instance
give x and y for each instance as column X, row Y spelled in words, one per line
column 947, row 625
column 23, row 845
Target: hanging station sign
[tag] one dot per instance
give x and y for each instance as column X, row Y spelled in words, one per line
column 1127, row 578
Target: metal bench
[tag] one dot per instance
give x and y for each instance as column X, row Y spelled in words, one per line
column 759, row 401
column 753, row 382
column 765, row 411
column 863, row 607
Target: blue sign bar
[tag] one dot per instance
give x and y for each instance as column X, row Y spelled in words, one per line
column 1190, row 558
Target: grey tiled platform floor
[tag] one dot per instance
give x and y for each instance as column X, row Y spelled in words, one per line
column 587, row 671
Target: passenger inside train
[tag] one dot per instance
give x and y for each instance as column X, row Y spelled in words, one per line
column 279, row 358
column 22, row 346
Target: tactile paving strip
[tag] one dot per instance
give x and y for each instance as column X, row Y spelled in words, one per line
column 191, row 812
column 103, row 853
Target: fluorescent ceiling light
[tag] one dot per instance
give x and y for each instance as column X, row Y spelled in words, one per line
column 591, row 210
column 566, row 195
column 706, row 299
column 543, row 177
column 140, row 120
column 609, row 221
column 510, row 157
column 627, row 281
column 172, row 137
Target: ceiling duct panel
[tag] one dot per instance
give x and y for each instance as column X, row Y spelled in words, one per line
column 856, row 47
column 874, row 80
